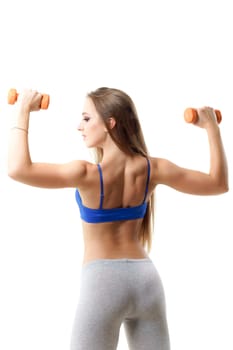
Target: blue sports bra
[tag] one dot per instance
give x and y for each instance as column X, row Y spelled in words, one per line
column 113, row 214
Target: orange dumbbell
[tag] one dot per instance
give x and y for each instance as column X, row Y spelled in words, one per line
column 13, row 95
column 191, row 115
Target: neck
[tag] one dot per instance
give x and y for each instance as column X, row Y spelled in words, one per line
column 112, row 152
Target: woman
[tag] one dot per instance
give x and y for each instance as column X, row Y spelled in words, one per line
column 119, row 282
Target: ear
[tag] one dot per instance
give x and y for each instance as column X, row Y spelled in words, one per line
column 111, row 122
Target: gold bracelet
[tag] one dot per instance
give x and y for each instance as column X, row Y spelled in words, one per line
column 17, row 127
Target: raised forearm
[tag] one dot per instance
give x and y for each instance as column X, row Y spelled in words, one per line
column 18, row 151
column 218, row 161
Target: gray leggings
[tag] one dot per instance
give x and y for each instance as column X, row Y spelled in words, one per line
column 116, row 291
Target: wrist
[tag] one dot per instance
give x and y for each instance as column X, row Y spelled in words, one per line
column 21, row 118
column 20, row 129
column 211, row 127
column 213, row 130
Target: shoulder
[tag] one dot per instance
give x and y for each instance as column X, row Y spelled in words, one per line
column 83, row 172
column 160, row 167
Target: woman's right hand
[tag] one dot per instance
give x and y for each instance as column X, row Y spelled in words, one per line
column 29, row 100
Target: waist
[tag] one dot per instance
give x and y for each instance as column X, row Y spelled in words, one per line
column 119, row 261
column 102, row 250
column 113, row 241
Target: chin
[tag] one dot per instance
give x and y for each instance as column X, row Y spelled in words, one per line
column 90, row 145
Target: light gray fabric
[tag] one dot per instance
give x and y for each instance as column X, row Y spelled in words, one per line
column 116, row 291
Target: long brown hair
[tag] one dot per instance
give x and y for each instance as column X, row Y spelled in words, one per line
column 128, row 135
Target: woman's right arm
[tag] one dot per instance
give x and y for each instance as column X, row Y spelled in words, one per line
column 20, row 166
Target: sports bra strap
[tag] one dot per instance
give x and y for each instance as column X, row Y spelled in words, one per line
column 101, row 187
column 148, row 179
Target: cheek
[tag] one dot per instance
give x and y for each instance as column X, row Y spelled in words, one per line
column 95, row 133
column 96, row 128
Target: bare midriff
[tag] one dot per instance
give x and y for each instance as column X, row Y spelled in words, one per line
column 112, row 241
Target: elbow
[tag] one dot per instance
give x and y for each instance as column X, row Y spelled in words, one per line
column 19, row 171
column 226, row 188
column 15, row 173
column 222, row 187
column 225, row 185
column 12, row 173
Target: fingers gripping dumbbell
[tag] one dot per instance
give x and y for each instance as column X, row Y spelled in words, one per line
column 13, row 95
column 191, row 115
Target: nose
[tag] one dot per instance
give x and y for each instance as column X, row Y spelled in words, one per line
column 80, row 126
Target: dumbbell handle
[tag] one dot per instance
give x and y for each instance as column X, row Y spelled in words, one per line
column 191, row 115
column 13, row 95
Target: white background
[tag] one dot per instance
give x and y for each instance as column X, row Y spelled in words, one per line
column 167, row 55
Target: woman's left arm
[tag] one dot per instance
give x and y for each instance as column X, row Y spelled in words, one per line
column 193, row 181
